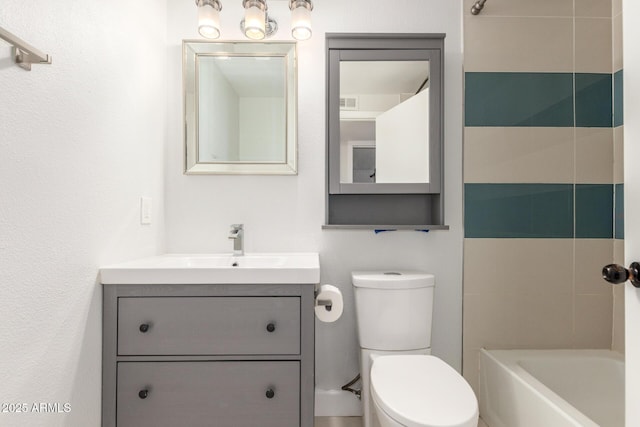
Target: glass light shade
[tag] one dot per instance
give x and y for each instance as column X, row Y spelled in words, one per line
column 254, row 23
column 208, row 21
column 301, row 23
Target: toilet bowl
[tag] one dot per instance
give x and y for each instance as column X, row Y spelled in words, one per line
column 402, row 384
column 421, row 391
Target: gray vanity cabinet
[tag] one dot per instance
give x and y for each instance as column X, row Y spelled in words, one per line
column 208, row 355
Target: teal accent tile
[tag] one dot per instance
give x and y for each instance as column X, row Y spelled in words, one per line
column 619, row 211
column 518, row 210
column 618, row 98
column 594, row 211
column 594, row 100
column 519, row 99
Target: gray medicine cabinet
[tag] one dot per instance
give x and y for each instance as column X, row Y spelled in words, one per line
column 385, row 133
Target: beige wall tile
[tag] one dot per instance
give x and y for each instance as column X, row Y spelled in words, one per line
column 617, row 43
column 593, row 50
column 616, row 7
column 617, row 340
column 537, row 266
column 618, row 251
column 488, row 321
column 594, row 155
column 481, row 265
column 618, row 155
column 518, row 44
column 518, row 154
column 594, row 8
column 522, row 8
column 544, row 320
column 544, row 266
column 591, row 256
column 593, row 321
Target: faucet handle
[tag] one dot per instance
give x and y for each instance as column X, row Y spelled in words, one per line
column 236, row 227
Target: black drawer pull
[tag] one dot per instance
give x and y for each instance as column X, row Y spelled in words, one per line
column 142, row 394
column 144, row 328
column 270, row 393
column 271, row 327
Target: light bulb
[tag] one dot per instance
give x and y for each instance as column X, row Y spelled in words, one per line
column 301, row 20
column 209, row 19
column 254, row 22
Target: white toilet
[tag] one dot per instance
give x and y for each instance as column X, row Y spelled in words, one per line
column 402, row 384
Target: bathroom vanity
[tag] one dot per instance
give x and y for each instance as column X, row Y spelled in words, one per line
column 188, row 342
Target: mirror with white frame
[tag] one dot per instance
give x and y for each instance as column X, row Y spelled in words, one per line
column 240, row 108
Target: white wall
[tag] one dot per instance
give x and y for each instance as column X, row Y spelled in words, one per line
column 402, row 141
column 218, row 127
column 261, row 121
column 80, row 141
column 285, row 213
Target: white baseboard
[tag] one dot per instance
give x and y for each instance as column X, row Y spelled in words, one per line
column 337, row 403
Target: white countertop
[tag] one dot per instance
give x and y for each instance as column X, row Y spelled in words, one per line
column 253, row 268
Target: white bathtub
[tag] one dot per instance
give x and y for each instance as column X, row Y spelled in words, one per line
column 552, row 388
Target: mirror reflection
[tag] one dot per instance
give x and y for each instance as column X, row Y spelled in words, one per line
column 384, row 121
column 240, row 108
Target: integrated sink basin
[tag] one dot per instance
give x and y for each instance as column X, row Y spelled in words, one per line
column 271, row 268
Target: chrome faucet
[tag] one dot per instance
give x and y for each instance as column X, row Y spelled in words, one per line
column 237, row 235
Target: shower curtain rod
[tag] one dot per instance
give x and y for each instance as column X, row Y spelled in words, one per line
column 23, row 53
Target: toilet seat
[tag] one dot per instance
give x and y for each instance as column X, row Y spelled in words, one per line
column 422, row 391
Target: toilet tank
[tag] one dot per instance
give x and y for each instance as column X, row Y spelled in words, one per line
column 393, row 309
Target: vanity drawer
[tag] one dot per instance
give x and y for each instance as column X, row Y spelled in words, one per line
column 208, row 325
column 198, row 394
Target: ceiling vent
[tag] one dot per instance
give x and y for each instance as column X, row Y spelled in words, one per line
column 348, row 103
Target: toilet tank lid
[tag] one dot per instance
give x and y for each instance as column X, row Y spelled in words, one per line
column 392, row 279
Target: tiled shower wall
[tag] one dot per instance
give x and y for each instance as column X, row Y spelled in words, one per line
column 543, row 175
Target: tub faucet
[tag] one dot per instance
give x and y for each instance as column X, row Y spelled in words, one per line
column 237, row 235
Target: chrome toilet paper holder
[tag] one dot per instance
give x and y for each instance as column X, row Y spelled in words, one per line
column 327, row 304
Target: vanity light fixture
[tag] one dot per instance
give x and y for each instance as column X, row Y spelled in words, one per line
column 301, row 19
column 209, row 18
column 257, row 24
column 255, row 16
